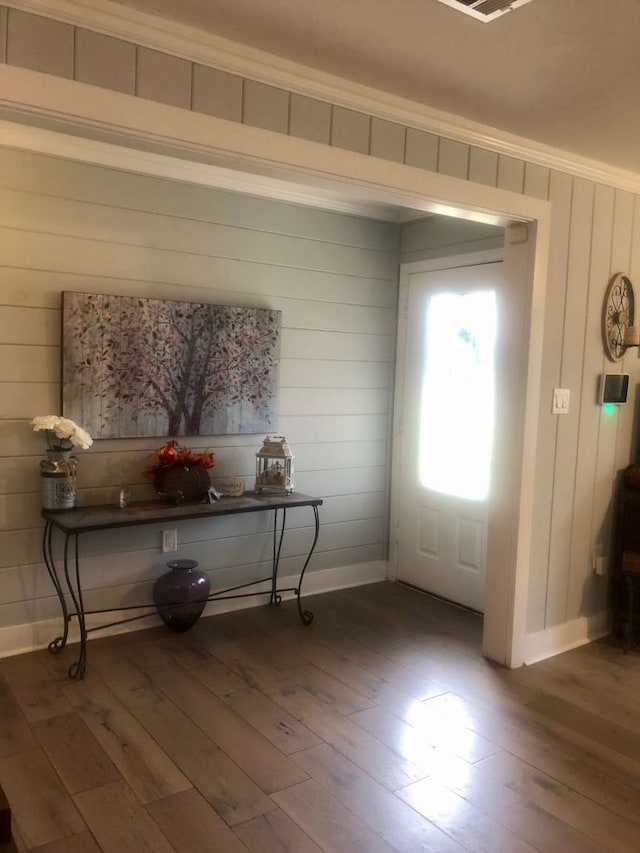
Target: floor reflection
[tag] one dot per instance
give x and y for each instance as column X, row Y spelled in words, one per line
column 445, row 725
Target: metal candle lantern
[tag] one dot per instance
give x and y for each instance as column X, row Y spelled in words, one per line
column 274, row 466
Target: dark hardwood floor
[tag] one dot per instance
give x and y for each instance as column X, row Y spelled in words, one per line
column 378, row 728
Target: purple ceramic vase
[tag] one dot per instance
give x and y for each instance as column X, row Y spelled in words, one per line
column 181, row 594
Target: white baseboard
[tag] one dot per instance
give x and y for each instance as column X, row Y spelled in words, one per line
column 18, row 639
column 562, row 638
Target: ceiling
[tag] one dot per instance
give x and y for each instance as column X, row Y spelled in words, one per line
column 561, row 72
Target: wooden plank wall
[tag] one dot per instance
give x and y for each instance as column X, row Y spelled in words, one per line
column 66, row 226
column 595, row 233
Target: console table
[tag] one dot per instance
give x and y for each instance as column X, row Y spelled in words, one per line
column 74, row 523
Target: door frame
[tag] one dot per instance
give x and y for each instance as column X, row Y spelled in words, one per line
column 65, row 118
column 518, row 358
column 407, row 270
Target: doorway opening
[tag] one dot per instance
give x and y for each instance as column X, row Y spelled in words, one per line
column 315, row 171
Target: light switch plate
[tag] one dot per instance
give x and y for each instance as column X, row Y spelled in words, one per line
column 560, row 404
column 169, row 541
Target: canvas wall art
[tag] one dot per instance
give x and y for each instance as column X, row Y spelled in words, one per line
column 136, row 367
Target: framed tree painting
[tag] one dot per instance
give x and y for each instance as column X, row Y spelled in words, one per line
column 148, row 367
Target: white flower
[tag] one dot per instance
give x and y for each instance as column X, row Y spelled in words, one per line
column 63, row 429
column 81, row 438
column 45, row 422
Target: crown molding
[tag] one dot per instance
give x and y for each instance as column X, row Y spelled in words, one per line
column 189, row 43
column 39, row 100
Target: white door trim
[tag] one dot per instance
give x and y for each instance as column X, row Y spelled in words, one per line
column 42, row 101
column 511, row 505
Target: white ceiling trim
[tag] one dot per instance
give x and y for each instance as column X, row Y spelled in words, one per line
column 192, row 44
column 79, row 109
column 85, row 150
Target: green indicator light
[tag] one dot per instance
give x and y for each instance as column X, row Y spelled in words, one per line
column 608, row 407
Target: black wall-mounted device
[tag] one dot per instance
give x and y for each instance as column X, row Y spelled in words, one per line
column 613, row 388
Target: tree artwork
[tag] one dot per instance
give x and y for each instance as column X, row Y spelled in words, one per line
column 149, row 367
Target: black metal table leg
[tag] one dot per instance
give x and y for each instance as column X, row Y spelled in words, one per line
column 58, row 643
column 306, row 615
column 73, row 523
column 277, row 547
column 77, row 669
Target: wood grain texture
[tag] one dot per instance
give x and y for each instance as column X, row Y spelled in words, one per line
column 37, row 689
column 326, row 820
column 119, row 822
column 77, row 756
column 247, row 748
column 190, row 823
column 282, row 729
column 401, row 827
column 560, row 800
column 380, row 727
column 84, row 842
column 42, row 809
column 452, row 813
column 143, row 764
column 276, row 831
column 15, row 733
column 221, row 782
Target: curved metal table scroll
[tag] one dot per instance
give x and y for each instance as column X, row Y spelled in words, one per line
column 73, row 523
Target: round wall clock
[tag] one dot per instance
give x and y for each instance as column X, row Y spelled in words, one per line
column 617, row 313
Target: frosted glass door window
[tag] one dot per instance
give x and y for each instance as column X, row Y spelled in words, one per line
column 458, row 394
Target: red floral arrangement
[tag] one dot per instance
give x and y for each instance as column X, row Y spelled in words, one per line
column 173, row 455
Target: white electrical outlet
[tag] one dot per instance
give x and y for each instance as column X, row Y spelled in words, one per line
column 169, row 541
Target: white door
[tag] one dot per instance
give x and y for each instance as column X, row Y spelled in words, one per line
column 445, row 431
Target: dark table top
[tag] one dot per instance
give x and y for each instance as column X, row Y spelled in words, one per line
column 104, row 516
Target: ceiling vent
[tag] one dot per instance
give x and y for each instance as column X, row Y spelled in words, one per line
column 484, row 10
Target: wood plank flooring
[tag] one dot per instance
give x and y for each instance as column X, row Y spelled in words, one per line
column 378, row 728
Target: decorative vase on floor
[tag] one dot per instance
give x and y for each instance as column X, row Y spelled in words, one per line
column 181, row 594
column 58, row 477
